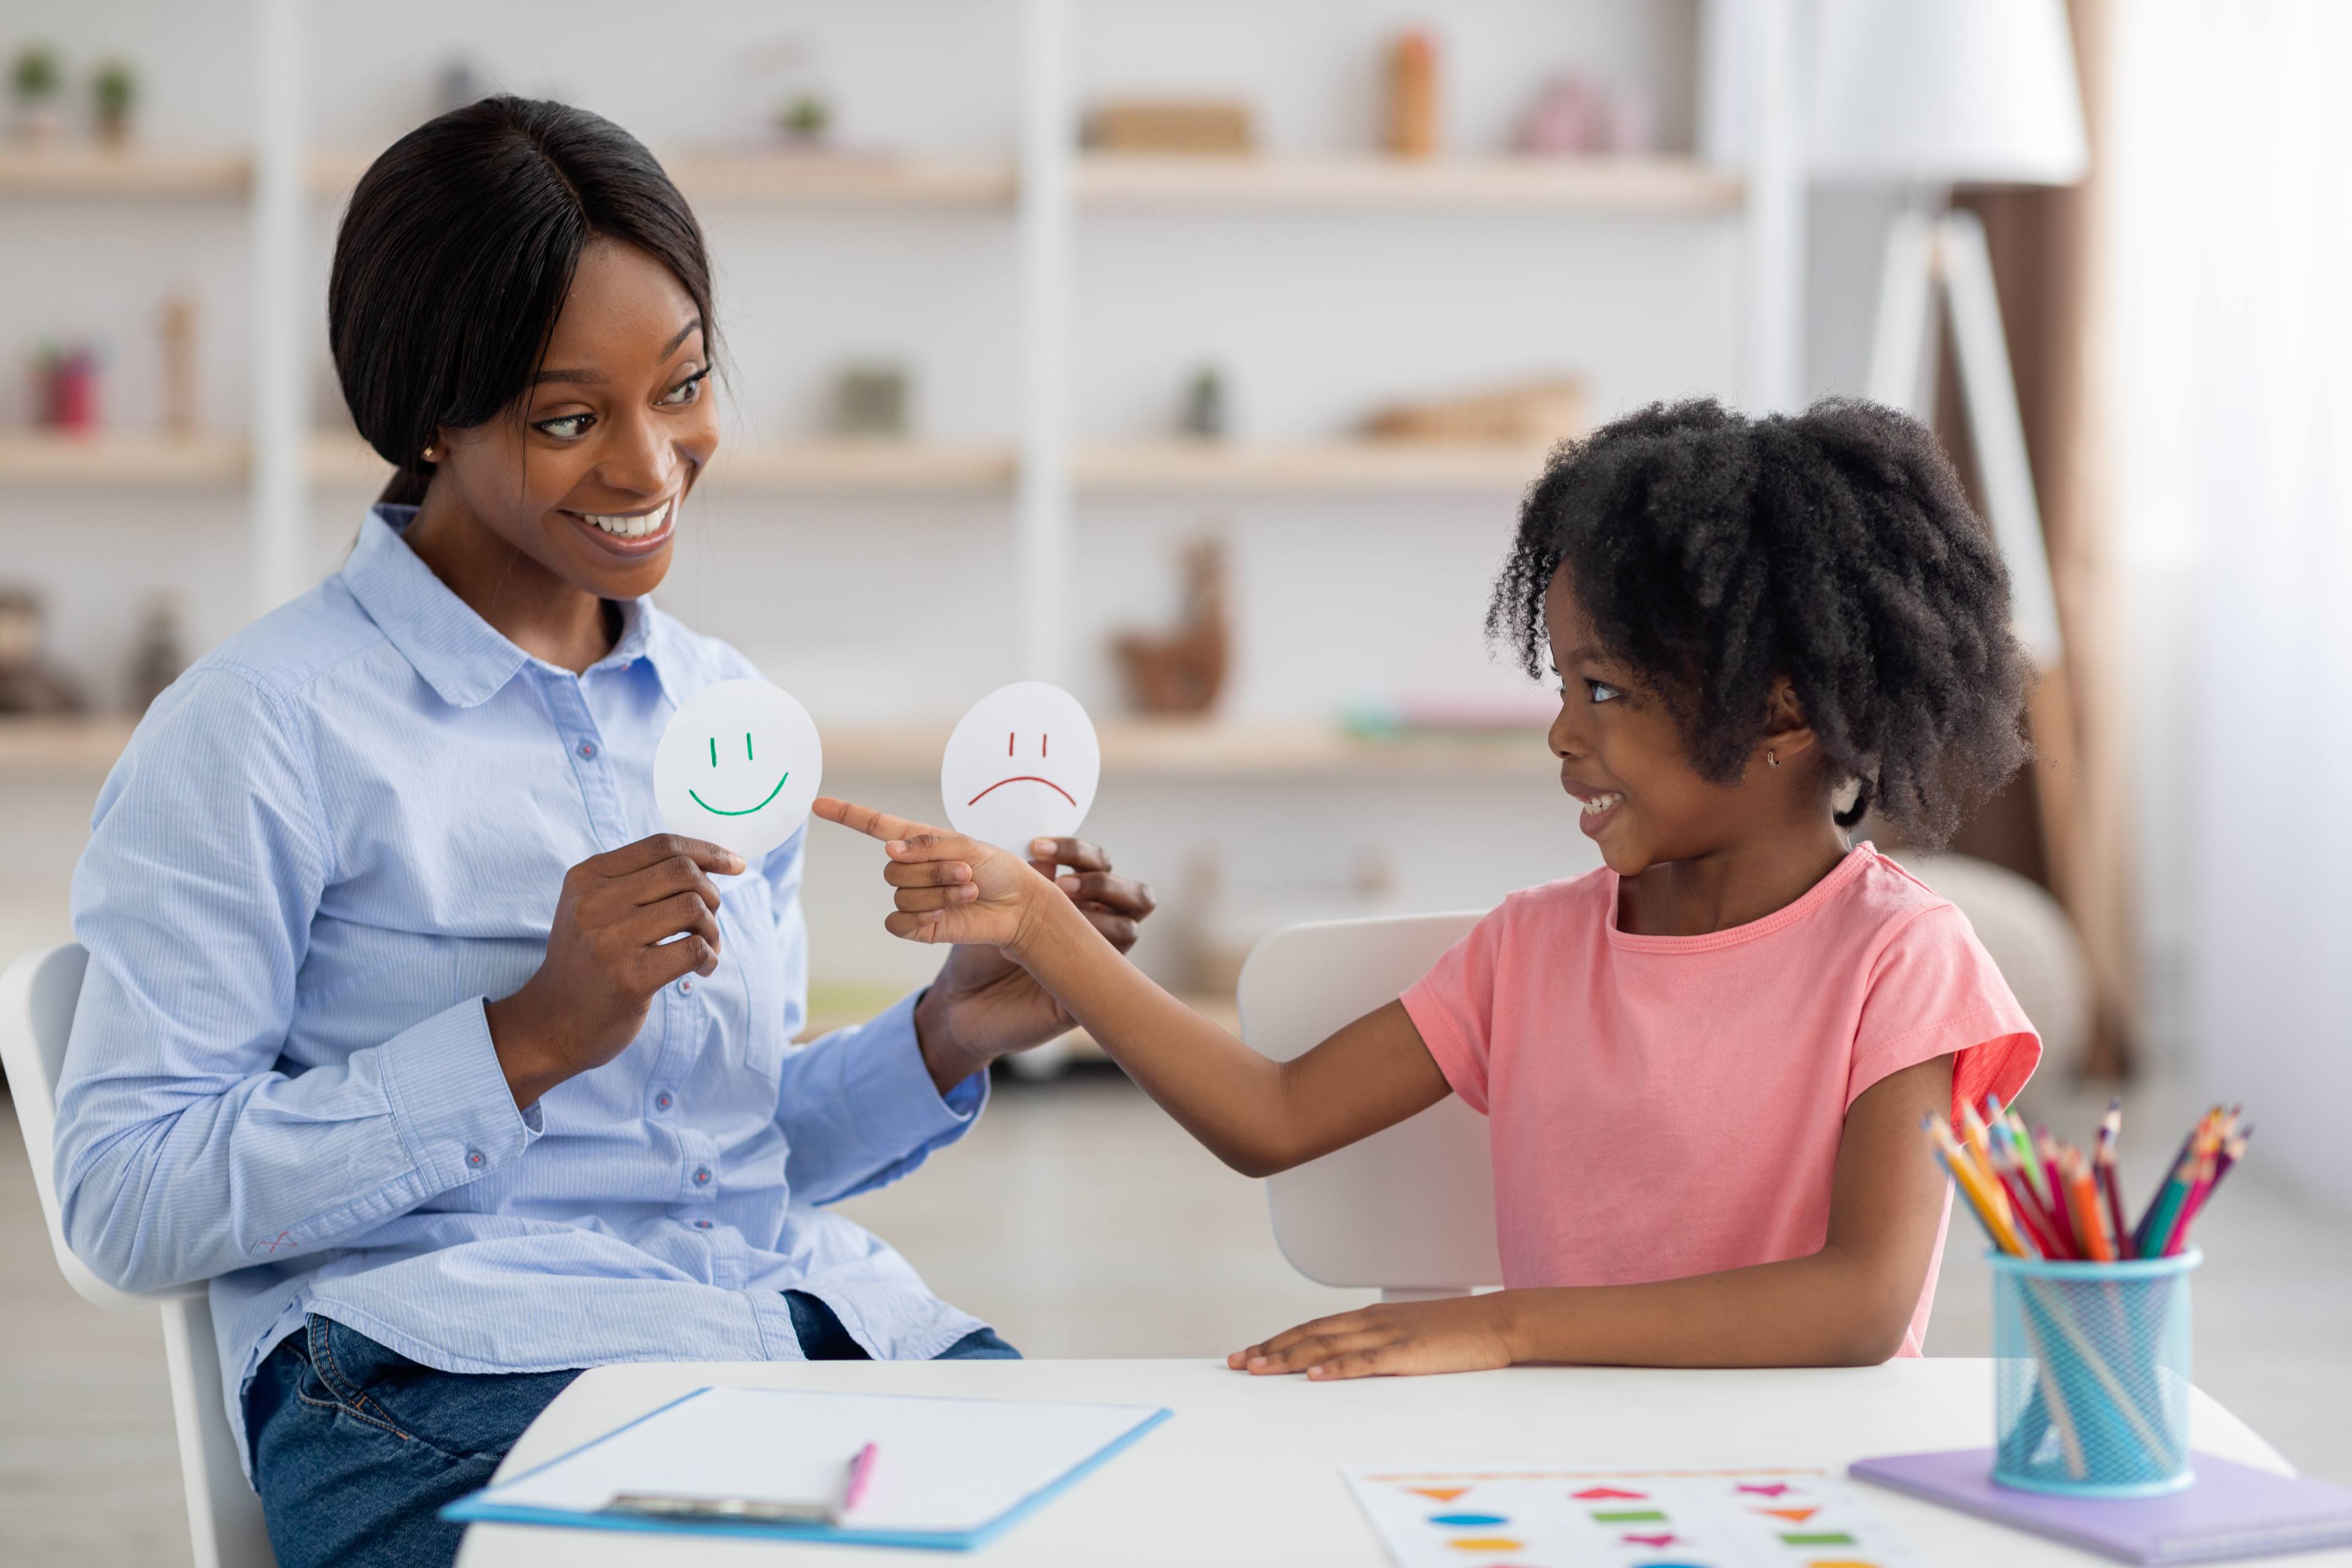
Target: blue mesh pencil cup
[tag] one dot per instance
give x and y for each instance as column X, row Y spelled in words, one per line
column 2091, row 1374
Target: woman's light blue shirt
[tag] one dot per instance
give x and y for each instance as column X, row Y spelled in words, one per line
column 324, row 848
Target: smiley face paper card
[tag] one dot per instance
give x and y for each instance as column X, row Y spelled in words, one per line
column 739, row 765
column 1022, row 764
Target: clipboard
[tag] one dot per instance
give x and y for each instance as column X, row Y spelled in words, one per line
column 951, row 1474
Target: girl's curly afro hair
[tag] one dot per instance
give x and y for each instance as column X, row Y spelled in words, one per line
column 1718, row 554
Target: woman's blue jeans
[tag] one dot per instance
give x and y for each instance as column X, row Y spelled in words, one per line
column 356, row 1449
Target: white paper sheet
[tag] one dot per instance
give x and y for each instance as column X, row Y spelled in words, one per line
column 941, row 1465
column 1534, row 1516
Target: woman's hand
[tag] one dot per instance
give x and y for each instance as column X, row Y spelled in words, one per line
column 609, row 951
column 1459, row 1334
column 984, row 1004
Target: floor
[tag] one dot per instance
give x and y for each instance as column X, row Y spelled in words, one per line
column 1082, row 1223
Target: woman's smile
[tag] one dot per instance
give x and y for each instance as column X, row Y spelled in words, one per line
column 630, row 533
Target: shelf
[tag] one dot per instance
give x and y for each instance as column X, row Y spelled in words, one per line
column 107, row 459
column 1570, row 184
column 123, row 171
column 807, row 179
column 1179, row 468
column 1361, row 182
column 1206, row 749
column 83, row 744
column 1316, row 467
column 1132, row 748
column 806, row 465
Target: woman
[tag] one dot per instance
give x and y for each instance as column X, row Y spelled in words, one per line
column 402, row 1023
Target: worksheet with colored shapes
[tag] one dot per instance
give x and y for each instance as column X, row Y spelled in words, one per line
column 1533, row 1517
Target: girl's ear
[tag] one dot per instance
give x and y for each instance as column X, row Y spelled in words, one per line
column 1786, row 734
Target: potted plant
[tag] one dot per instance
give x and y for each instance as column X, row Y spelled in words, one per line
column 34, row 81
column 114, row 92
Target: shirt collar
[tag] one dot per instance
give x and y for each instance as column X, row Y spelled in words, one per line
column 461, row 655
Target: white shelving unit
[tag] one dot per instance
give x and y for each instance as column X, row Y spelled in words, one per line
column 1047, row 190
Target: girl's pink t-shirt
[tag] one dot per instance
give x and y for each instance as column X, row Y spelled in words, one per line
column 1665, row 1105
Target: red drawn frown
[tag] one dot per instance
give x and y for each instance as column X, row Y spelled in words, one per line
column 1044, row 750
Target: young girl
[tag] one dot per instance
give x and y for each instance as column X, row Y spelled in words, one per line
column 1705, row 1065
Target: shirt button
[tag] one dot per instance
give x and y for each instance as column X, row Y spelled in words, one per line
column 474, row 1157
column 686, row 986
column 702, row 1224
column 702, row 1177
column 587, row 748
column 661, row 1102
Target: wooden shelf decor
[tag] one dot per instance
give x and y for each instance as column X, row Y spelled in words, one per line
column 124, row 172
column 1560, row 185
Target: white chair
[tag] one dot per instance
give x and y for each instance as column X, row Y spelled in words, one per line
column 37, row 996
column 1410, row 1210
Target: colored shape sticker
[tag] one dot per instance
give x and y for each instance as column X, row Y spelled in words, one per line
column 1793, row 1515
column 1438, row 1494
column 1778, row 1489
column 1664, row 1538
column 1486, row 1544
column 1840, row 1563
column 1467, row 1521
column 1608, row 1494
column 1819, row 1538
column 1628, row 1516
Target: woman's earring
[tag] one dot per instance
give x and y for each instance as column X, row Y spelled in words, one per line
column 1772, row 758
column 430, row 454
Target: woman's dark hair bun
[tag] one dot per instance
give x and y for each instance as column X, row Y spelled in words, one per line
column 456, row 253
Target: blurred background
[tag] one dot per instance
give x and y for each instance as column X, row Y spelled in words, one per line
column 1198, row 354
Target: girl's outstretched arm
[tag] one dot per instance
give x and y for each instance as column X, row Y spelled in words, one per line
column 1258, row 1115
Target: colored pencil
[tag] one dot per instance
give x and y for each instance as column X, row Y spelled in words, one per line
column 1980, row 1146
column 2111, row 1128
column 2084, row 1197
column 1982, row 1195
column 2054, row 1198
column 2031, row 1218
column 2232, row 1152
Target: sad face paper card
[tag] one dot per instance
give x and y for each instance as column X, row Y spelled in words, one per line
column 1022, row 764
column 737, row 765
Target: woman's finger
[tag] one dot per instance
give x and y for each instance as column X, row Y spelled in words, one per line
column 1125, row 894
column 917, row 901
column 1117, row 929
column 866, row 820
column 630, row 859
column 913, row 928
column 660, row 921
column 677, row 874
column 1076, row 853
column 926, row 873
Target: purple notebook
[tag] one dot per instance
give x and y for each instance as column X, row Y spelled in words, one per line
column 2232, row 1511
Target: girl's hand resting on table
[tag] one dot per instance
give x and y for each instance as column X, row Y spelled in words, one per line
column 1460, row 1333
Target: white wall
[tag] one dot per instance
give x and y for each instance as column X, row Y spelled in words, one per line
column 1313, row 319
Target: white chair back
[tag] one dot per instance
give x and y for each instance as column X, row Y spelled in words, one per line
column 1410, row 1209
column 37, row 996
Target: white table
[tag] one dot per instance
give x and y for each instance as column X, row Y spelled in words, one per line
column 1248, row 1469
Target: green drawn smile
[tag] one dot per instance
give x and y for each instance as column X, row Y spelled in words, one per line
column 722, row 811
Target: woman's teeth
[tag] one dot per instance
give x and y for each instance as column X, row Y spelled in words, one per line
column 635, row 527
column 1601, row 803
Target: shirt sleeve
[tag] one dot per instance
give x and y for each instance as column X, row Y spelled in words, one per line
column 857, row 1106
column 1936, row 992
column 1453, row 1006
column 183, row 1151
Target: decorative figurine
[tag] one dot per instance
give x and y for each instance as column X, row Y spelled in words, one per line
column 65, row 384
column 176, row 327
column 160, row 657
column 805, row 119
column 870, row 400
column 114, row 98
column 1204, row 416
column 28, row 683
column 34, row 81
column 1413, row 129
column 1182, row 671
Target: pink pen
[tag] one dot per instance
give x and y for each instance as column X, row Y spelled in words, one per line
column 861, row 1470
